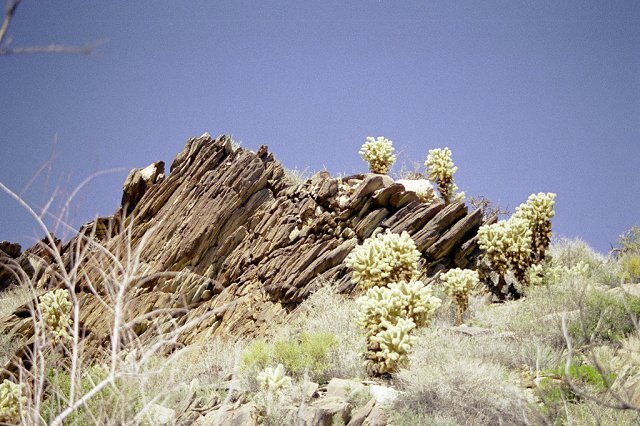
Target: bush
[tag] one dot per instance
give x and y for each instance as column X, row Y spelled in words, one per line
column 446, row 379
column 569, row 253
column 309, row 353
column 630, row 265
column 327, row 312
column 605, row 316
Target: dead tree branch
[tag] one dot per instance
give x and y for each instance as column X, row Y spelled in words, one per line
column 10, row 10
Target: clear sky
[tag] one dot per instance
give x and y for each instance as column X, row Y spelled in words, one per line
column 530, row 95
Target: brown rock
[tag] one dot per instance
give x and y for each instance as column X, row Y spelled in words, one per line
column 226, row 237
column 438, row 225
column 138, row 182
column 465, row 226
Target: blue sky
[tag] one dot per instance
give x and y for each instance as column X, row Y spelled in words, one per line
column 530, row 96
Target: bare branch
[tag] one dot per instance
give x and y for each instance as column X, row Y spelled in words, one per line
column 87, row 49
column 12, row 5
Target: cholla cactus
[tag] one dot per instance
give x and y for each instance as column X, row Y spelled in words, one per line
column 56, row 312
column 441, row 169
column 458, row 284
column 10, row 401
column 393, row 346
column 507, row 245
column 378, row 153
column 273, row 380
column 385, row 314
column 383, row 259
column 538, row 211
column 379, row 305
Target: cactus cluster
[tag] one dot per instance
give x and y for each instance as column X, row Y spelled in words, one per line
column 458, row 284
column 538, row 211
column 521, row 241
column 273, row 380
column 386, row 265
column 56, row 312
column 383, row 259
column 378, row 152
column 440, row 169
column 389, row 315
column 11, row 399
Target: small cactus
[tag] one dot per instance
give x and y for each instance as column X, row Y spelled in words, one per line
column 440, row 169
column 378, row 152
column 56, row 312
column 273, row 380
column 458, row 284
column 10, row 401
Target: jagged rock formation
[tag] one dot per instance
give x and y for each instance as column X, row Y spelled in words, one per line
column 226, row 236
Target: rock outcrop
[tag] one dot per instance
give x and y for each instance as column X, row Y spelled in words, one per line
column 223, row 237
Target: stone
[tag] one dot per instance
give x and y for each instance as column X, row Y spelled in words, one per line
column 160, row 416
column 245, row 415
column 438, row 225
column 227, row 237
column 416, row 185
column 345, row 389
column 325, row 412
column 138, row 182
column 383, row 395
column 382, row 196
column 361, row 415
column 455, row 235
column 370, row 184
column 13, row 250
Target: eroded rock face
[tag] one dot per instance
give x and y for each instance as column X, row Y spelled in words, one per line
column 227, row 237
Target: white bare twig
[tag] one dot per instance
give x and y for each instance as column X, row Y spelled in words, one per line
column 10, row 11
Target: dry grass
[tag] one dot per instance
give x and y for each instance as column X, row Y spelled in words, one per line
column 454, row 377
column 14, row 297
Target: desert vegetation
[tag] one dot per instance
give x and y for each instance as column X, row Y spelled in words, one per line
column 537, row 331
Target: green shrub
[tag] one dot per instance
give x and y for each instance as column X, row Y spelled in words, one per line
column 256, row 357
column 605, row 316
column 630, row 265
column 308, row 353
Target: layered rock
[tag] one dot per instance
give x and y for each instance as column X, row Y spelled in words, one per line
column 224, row 238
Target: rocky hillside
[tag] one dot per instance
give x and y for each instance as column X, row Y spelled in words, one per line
column 226, row 238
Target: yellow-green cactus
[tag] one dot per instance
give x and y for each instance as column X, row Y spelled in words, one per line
column 392, row 346
column 507, row 246
column 413, row 300
column 383, row 259
column 458, row 284
column 11, row 399
column 378, row 152
column 381, row 311
column 440, row 169
column 538, row 211
column 56, row 312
